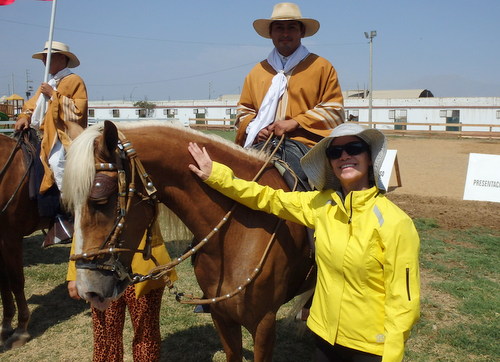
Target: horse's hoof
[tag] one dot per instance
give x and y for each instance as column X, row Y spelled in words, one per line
column 5, row 334
column 17, row 340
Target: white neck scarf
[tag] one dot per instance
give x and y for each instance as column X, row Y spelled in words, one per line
column 267, row 111
column 42, row 101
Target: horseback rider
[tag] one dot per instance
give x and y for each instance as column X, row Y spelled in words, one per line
column 57, row 106
column 293, row 92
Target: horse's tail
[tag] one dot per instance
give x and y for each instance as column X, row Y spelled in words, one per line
column 295, row 312
column 299, row 302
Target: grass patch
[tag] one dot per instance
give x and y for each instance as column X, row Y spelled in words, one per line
column 459, row 307
column 460, row 288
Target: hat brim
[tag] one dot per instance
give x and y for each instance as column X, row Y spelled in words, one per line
column 73, row 61
column 261, row 26
column 318, row 168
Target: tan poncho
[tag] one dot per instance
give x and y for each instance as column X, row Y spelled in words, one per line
column 68, row 104
column 313, row 99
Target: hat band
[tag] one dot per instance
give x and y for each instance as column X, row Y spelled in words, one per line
column 55, row 49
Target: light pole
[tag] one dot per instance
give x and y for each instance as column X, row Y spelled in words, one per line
column 370, row 36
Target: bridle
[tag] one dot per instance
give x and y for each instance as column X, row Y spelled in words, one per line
column 126, row 192
column 103, row 185
column 22, row 139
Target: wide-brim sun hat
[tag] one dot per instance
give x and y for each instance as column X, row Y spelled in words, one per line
column 317, row 166
column 283, row 12
column 61, row 48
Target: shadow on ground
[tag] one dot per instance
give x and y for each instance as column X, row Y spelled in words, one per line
column 200, row 344
column 34, row 253
column 53, row 308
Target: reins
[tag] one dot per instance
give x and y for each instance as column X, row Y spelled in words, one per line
column 112, row 246
column 8, row 163
column 161, row 271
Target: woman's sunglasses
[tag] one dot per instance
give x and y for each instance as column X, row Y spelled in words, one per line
column 351, row 148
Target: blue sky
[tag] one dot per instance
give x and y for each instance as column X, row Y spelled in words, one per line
column 200, row 49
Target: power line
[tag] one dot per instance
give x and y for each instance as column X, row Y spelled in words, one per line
column 174, row 79
column 121, row 36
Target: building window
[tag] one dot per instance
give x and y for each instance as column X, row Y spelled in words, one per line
column 170, row 112
column 92, row 112
column 142, row 113
column 399, row 116
column 352, row 115
column 445, row 113
column 231, row 112
column 116, row 113
column 200, row 112
column 498, row 114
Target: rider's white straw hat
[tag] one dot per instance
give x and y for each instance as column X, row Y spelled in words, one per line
column 282, row 12
column 317, row 166
column 58, row 47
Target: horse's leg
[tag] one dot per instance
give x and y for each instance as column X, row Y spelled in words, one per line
column 264, row 338
column 9, row 308
column 231, row 338
column 13, row 263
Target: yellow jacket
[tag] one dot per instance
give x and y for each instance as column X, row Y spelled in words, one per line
column 141, row 266
column 367, row 294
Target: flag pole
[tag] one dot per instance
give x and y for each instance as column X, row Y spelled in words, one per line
column 51, row 35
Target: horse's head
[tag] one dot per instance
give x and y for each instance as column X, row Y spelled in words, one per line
column 99, row 186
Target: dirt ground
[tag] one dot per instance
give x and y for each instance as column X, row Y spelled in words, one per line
column 433, row 172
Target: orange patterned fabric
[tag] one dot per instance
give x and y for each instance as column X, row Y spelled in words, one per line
column 313, row 98
column 145, row 316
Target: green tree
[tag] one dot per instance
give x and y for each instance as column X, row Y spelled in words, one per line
column 146, row 108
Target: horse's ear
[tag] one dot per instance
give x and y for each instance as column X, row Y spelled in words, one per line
column 110, row 136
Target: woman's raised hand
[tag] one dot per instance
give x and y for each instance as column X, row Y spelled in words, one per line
column 203, row 160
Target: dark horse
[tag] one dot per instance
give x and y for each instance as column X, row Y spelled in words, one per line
column 222, row 265
column 18, row 217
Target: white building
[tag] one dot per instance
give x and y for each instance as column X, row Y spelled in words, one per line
column 415, row 109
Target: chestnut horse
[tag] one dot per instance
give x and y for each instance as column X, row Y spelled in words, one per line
column 222, row 265
column 18, row 217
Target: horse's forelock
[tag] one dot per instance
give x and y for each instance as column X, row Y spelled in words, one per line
column 79, row 171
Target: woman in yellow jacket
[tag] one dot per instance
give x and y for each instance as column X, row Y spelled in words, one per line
column 368, row 289
column 143, row 301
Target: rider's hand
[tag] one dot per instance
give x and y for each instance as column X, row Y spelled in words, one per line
column 202, row 159
column 263, row 135
column 21, row 123
column 73, row 292
column 47, row 90
column 283, row 126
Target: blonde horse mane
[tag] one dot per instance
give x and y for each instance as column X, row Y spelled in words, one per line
column 80, row 171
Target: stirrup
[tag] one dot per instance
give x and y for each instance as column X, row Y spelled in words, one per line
column 61, row 232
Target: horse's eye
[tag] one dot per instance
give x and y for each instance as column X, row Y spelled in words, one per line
column 103, row 188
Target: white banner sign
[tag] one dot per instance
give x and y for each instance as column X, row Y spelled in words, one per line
column 483, row 178
column 387, row 166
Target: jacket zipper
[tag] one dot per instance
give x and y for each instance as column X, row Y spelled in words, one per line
column 350, row 211
column 408, row 283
